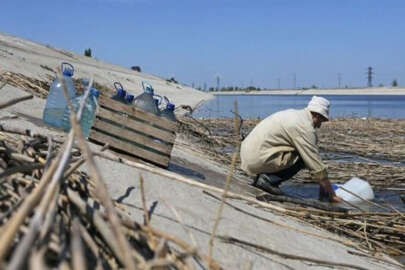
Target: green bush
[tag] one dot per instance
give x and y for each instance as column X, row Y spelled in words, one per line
column 87, row 52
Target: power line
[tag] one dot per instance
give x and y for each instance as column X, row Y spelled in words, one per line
column 218, row 82
column 370, row 74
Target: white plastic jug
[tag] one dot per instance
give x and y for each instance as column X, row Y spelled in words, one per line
column 357, row 186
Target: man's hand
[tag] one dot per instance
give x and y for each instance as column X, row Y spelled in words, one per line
column 327, row 188
column 335, row 199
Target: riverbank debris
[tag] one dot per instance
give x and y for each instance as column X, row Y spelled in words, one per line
column 373, row 231
column 51, row 214
column 372, row 149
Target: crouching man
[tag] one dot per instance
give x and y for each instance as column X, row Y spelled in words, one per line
column 284, row 143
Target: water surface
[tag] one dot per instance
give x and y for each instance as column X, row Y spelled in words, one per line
column 260, row 106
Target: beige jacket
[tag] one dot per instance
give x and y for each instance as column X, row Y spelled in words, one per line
column 278, row 141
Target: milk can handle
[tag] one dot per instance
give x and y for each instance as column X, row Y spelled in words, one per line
column 117, row 84
column 146, row 85
column 64, row 64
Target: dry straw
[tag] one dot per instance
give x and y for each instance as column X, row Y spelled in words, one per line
column 54, row 216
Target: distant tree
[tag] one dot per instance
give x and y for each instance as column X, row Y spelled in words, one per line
column 136, row 68
column 394, row 83
column 173, row 80
column 87, row 52
column 381, row 85
column 314, row 86
column 211, row 89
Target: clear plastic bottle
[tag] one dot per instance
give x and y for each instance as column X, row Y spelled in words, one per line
column 120, row 94
column 158, row 100
column 168, row 112
column 145, row 100
column 56, row 101
column 88, row 114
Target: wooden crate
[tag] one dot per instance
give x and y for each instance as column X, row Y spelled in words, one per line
column 133, row 133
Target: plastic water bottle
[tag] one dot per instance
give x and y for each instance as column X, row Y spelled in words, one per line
column 88, row 114
column 157, row 100
column 168, row 112
column 56, row 101
column 85, row 84
column 120, row 94
column 145, row 100
column 129, row 99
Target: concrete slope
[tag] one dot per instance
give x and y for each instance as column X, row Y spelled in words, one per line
column 33, row 60
column 198, row 210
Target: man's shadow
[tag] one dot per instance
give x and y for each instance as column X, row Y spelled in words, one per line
column 185, row 171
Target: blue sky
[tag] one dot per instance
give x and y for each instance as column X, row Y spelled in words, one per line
column 257, row 42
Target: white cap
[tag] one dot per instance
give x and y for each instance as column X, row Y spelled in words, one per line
column 319, row 105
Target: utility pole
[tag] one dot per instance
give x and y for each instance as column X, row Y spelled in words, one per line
column 205, row 87
column 218, row 81
column 370, row 74
column 339, row 79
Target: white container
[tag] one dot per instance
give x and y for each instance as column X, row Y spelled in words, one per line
column 357, row 186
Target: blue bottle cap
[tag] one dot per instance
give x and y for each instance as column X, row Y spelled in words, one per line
column 129, row 98
column 121, row 93
column 94, row 92
column 67, row 69
column 68, row 72
column 147, row 88
column 85, row 81
column 170, row 106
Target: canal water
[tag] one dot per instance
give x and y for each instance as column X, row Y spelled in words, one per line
column 260, row 106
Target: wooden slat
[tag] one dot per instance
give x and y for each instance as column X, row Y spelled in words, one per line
column 132, row 136
column 135, row 112
column 129, row 148
column 133, row 158
column 139, row 126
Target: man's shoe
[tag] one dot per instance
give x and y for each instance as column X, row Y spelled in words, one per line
column 263, row 183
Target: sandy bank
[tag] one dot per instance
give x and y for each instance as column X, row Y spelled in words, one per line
column 356, row 91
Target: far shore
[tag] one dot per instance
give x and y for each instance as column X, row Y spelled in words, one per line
column 344, row 91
